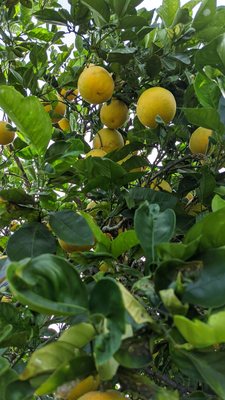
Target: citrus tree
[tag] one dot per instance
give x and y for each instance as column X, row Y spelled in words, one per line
column 112, row 202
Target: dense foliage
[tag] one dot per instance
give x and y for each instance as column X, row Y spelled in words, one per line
column 140, row 306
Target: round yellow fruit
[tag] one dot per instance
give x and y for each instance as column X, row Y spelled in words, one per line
column 64, row 124
column 109, row 395
column 108, row 140
column 156, row 101
column 59, row 109
column 7, row 134
column 199, row 140
column 86, row 385
column 69, row 94
column 70, row 248
column 96, row 153
column 95, row 84
column 114, row 114
column 47, row 107
column 161, row 185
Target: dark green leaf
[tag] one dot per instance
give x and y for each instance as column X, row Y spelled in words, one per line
column 120, row 7
column 99, row 7
column 15, row 330
column 134, row 353
column 207, row 91
column 30, row 240
column 211, row 54
column 168, row 10
column 205, row 117
column 51, row 16
column 205, row 14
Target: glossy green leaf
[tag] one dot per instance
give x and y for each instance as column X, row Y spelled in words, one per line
column 124, row 242
column 100, row 7
column 217, row 203
column 201, row 334
column 17, row 196
column 29, row 116
column 134, row 353
column 71, row 227
column 205, row 117
column 137, row 195
column 48, row 284
column 120, row 7
column 207, row 91
column 153, row 227
column 100, row 237
column 17, row 390
column 204, row 14
column 108, row 342
column 168, row 10
column 211, row 54
column 180, row 251
column 31, row 240
column 208, row 289
column 51, row 16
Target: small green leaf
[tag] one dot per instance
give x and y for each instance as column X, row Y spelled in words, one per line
column 134, row 353
column 124, row 242
column 217, row 203
column 30, row 240
column 29, row 116
column 172, row 303
column 180, row 251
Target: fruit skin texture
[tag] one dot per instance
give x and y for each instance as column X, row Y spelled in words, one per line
column 108, row 140
column 199, row 140
column 161, row 185
column 70, row 248
column 115, row 114
column 64, row 124
column 109, row 395
column 6, row 135
column 96, row 153
column 95, row 85
column 156, row 101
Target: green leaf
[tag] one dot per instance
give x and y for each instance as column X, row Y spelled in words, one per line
column 180, row 251
column 211, row 367
column 208, row 289
column 204, row 14
column 134, row 353
column 168, row 10
column 134, row 308
column 100, row 237
column 17, row 196
column 211, row 229
column 137, row 195
column 153, row 227
column 207, row 91
column 124, row 242
column 17, row 390
column 72, row 228
column 172, row 303
column 78, row 335
column 131, row 21
column 217, row 203
column 200, row 334
column 48, row 284
column 30, row 240
column 51, row 16
column 211, row 54
column 205, row 117
column 29, row 116
column 99, row 7
column 108, row 342
column 120, row 7
column 15, row 330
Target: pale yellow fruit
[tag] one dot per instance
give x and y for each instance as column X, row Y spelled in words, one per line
column 47, row 107
column 70, row 248
column 7, row 135
column 115, row 114
column 64, row 124
column 95, row 85
column 156, row 101
column 59, row 109
column 86, row 385
column 161, row 185
column 109, row 395
column 199, row 140
column 69, row 94
column 96, row 153
column 108, row 140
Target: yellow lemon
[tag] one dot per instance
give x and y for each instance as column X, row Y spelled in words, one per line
column 86, row 385
column 59, row 109
column 199, row 140
column 96, row 153
column 64, row 124
column 156, row 101
column 95, row 84
column 109, row 395
column 161, row 185
column 70, row 248
column 7, row 134
column 114, row 114
column 69, row 94
column 108, row 140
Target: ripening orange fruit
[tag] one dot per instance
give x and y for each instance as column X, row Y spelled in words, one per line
column 156, row 101
column 7, row 133
column 115, row 114
column 69, row 94
column 199, row 140
column 64, row 124
column 95, row 84
column 108, row 140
